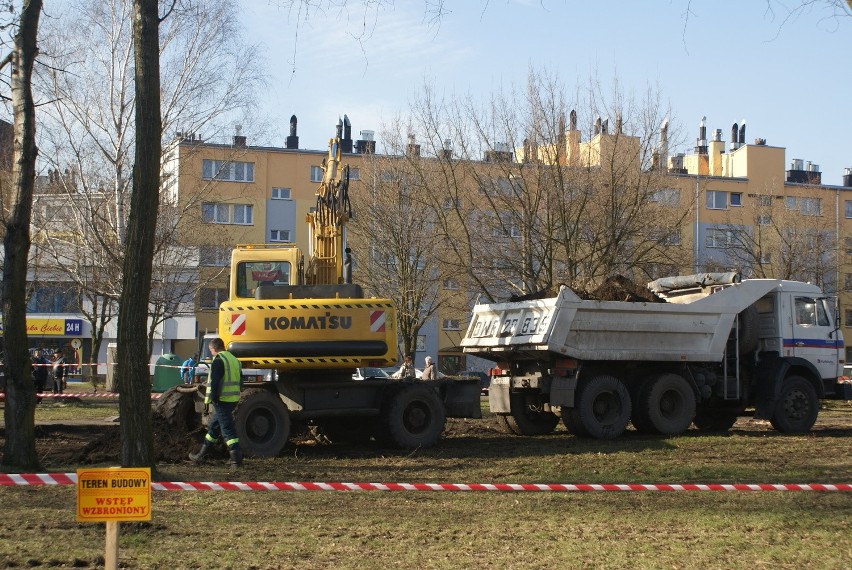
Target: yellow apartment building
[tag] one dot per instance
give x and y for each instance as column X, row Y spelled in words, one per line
column 747, row 211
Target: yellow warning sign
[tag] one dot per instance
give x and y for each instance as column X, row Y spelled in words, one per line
column 114, row 494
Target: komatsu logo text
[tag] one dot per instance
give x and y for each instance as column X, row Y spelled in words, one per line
column 327, row 321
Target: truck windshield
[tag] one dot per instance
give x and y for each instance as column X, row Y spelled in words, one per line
column 811, row 312
column 252, row 274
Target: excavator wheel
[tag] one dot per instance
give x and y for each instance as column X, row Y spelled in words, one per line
column 177, row 407
column 412, row 416
column 263, row 423
column 526, row 417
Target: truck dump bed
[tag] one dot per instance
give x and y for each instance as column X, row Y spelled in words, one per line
column 696, row 331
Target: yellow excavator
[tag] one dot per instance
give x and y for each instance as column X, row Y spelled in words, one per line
column 308, row 322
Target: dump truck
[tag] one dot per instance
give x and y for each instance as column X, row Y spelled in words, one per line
column 718, row 347
column 302, row 318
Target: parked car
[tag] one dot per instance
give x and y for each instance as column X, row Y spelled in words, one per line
column 484, row 379
column 418, row 372
column 369, row 372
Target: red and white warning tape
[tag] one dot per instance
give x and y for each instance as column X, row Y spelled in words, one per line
column 71, row 479
column 154, row 396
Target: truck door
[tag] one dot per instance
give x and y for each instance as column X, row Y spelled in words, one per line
column 815, row 337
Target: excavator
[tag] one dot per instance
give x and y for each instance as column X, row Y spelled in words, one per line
column 302, row 317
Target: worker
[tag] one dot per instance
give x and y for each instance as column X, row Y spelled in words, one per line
column 429, row 372
column 406, row 371
column 223, row 392
column 187, row 369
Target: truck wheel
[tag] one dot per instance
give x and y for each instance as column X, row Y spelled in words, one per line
column 263, row 423
column 714, row 419
column 665, row 405
column 603, row 407
column 526, row 418
column 797, row 408
column 177, row 407
column 411, row 417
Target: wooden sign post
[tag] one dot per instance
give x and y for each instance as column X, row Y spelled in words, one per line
column 111, row 495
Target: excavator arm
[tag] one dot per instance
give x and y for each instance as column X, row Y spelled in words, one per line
column 327, row 222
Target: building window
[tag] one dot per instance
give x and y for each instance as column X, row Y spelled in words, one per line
column 316, row 174
column 354, row 173
column 847, row 241
column 847, row 207
column 809, row 206
column 242, row 214
column 847, row 281
column 53, row 297
column 848, row 319
column 736, row 199
column 765, row 259
column 721, row 238
column 211, row 298
column 764, row 220
column 229, row 171
column 790, row 202
column 664, row 236
column 451, row 325
column 764, row 201
column 717, row 200
column 451, row 284
column 214, row 213
column 451, row 203
column 214, row 255
column 666, row 197
column 282, row 194
column 280, row 235
column 421, row 343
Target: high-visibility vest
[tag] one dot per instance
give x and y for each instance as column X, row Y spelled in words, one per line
column 230, row 380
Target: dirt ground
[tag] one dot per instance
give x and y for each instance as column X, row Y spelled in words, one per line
column 67, row 443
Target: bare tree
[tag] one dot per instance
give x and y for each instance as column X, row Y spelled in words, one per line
column 19, row 411
column 535, row 204
column 394, row 235
column 210, row 76
column 778, row 239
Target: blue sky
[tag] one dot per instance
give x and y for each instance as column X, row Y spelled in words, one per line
column 729, row 60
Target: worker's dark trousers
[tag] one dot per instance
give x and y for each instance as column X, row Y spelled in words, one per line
column 222, row 424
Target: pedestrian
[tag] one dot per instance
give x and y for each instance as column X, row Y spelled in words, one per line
column 40, row 365
column 429, row 372
column 223, row 393
column 58, row 364
column 406, row 371
column 187, row 369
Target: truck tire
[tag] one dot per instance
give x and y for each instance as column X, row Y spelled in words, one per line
column 412, row 416
column 524, row 419
column 603, row 407
column 714, row 419
column 263, row 423
column 797, row 407
column 665, row 405
column 177, row 408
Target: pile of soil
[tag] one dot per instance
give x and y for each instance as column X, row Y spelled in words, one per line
column 620, row 288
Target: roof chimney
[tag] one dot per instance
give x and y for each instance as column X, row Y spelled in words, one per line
column 366, row 144
column 413, row 149
column 847, row 177
column 239, row 140
column 293, row 140
column 701, row 142
column 346, row 141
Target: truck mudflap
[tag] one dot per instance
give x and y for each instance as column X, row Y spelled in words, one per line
column 461, row 398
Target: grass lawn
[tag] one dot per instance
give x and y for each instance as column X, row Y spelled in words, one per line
column 443, row 530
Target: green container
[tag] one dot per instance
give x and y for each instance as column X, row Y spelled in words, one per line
column 166, row 373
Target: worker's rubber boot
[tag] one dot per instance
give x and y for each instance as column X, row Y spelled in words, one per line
column 236, row 457
column 199, row 455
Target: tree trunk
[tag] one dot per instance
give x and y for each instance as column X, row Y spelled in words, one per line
column 132, row 371
column 19, row 410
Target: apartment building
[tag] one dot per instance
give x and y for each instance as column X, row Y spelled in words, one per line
column 743, row 210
